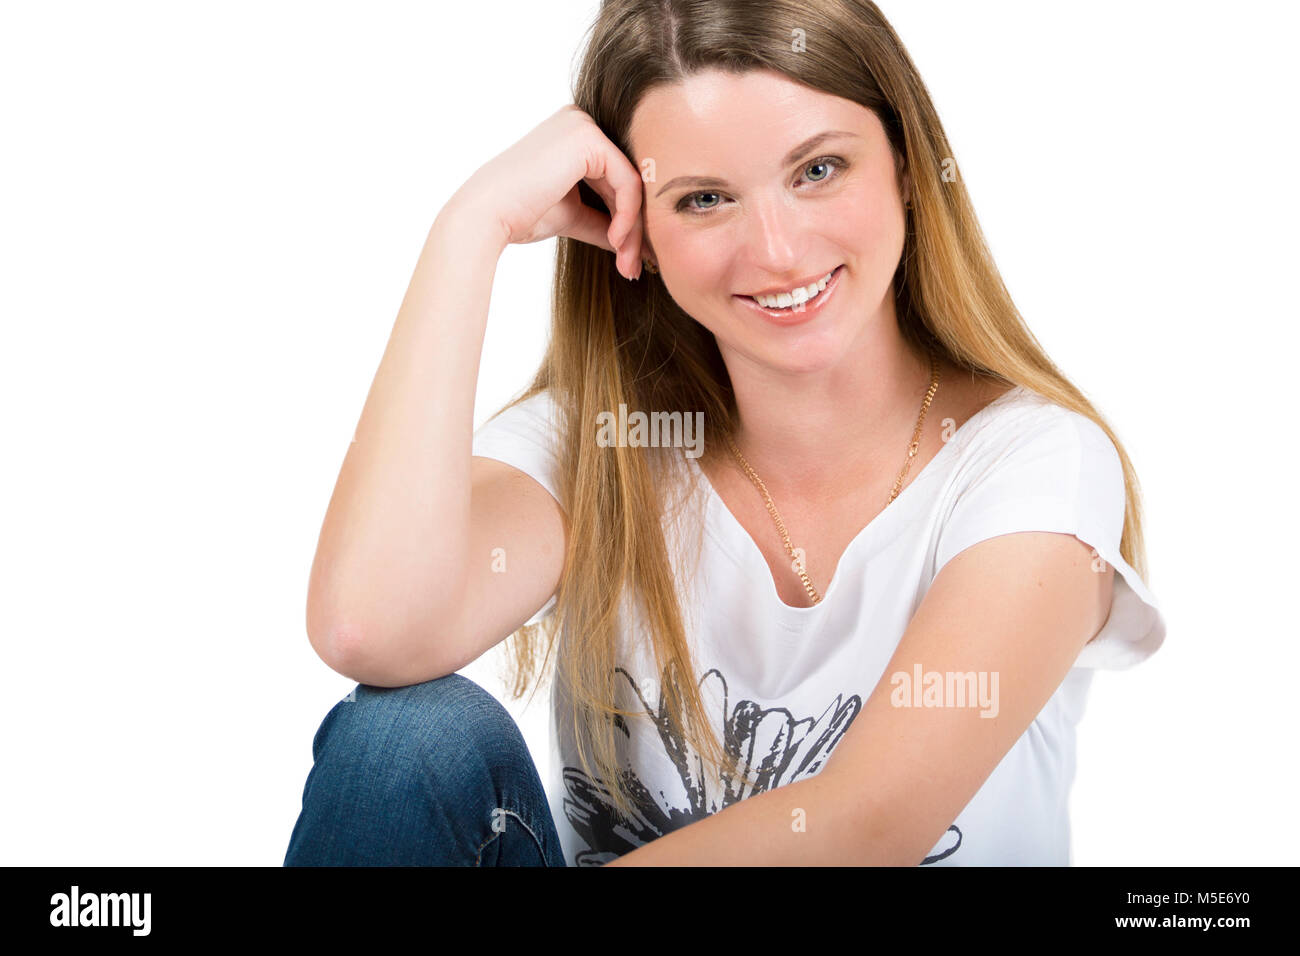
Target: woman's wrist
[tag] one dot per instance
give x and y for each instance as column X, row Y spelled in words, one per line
column 471, row 224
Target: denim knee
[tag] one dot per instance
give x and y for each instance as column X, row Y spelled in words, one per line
column 449, row 723
column 426, row 774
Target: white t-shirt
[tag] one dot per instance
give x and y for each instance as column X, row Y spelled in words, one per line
column 786, row 682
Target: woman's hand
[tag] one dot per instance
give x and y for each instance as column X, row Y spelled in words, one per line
column 532, row 188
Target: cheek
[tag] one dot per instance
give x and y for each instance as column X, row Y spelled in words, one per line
column 694, row 258
column 873, row 237
column 867, row 219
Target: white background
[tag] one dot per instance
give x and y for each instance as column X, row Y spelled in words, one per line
column 209, row 213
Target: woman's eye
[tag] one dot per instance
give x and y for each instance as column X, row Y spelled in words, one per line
column 822, row 164
column 699, row 203
column 828, row 163
column 686, row 203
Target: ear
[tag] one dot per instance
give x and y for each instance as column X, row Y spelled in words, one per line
column 647, row 248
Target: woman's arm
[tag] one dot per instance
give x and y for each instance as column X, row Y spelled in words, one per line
column 401, row 587
column 391, row 554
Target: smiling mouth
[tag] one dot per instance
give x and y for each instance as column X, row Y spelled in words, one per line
column 797, row 299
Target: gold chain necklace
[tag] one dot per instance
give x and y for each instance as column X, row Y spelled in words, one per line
column 911, row 453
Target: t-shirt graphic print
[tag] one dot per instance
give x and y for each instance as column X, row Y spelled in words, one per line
column 769, row 746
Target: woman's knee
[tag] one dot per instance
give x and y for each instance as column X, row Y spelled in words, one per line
column 450, row 721
column 431, row 772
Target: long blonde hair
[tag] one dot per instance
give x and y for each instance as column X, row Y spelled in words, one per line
column 614, row 341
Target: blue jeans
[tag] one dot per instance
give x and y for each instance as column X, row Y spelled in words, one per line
column 433, row 774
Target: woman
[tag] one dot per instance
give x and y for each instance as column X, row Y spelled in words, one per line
column 860, row 626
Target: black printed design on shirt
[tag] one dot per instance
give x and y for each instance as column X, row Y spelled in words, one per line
column 769, row 745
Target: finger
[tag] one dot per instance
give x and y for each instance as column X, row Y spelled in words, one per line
column 628, row 254
column 632, row 247
column 627, row 257
column 605, row 191
column 586, row 224
column 617, row 173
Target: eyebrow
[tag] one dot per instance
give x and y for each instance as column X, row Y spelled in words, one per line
column 711, row 182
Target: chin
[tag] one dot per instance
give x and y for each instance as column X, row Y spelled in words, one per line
column 811, row 350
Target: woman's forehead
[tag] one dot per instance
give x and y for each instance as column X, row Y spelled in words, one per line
column 714, row 115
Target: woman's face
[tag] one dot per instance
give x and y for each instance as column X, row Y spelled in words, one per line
column 738, row 202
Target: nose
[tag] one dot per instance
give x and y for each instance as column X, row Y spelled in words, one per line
column 776, row 235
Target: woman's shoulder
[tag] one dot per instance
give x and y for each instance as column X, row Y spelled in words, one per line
column 1019, row 427
column 984, row 404
column 1003, row 416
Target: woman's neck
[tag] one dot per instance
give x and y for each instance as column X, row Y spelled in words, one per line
column 810, row 434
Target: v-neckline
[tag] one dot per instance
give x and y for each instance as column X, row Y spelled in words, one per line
column 882, row 519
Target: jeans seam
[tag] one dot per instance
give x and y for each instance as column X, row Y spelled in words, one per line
column 540, row 849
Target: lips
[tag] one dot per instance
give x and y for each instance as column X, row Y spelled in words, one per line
column 799, row 284
column 800, row 312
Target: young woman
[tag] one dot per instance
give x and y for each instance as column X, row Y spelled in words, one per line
column 853, row 621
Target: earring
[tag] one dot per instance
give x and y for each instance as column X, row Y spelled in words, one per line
column 650, row 267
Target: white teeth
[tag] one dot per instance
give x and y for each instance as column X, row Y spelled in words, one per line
column 783, row 300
